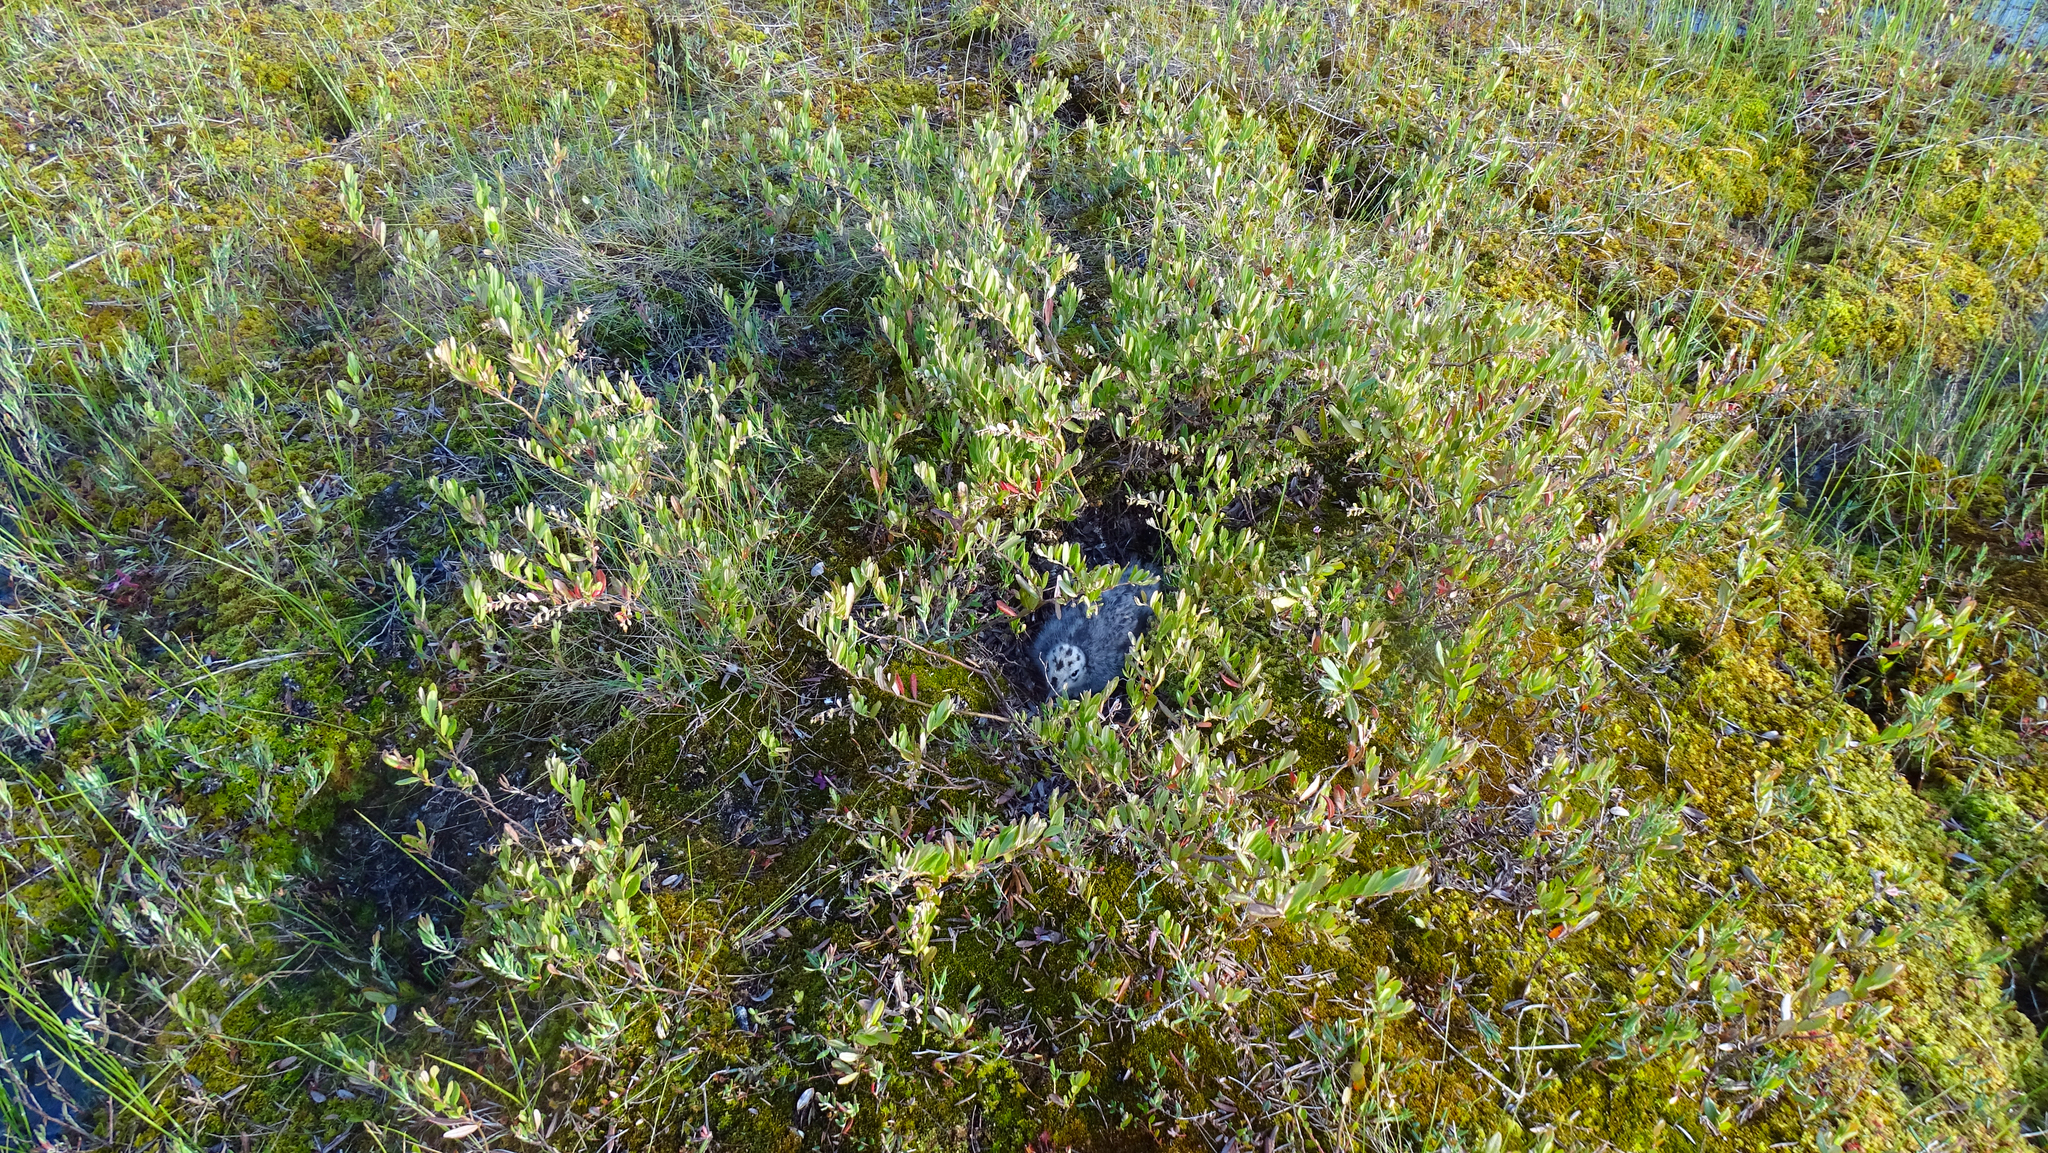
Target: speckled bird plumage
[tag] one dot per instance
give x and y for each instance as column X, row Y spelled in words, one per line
column 1082, row 648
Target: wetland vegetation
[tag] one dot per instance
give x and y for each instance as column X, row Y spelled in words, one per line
column 525, row 526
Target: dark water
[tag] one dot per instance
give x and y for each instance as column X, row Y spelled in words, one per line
column 2027, row 20
column 2024, row 22
column 41, row 1098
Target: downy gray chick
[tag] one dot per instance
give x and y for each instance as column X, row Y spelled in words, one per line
column 1082, row 648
